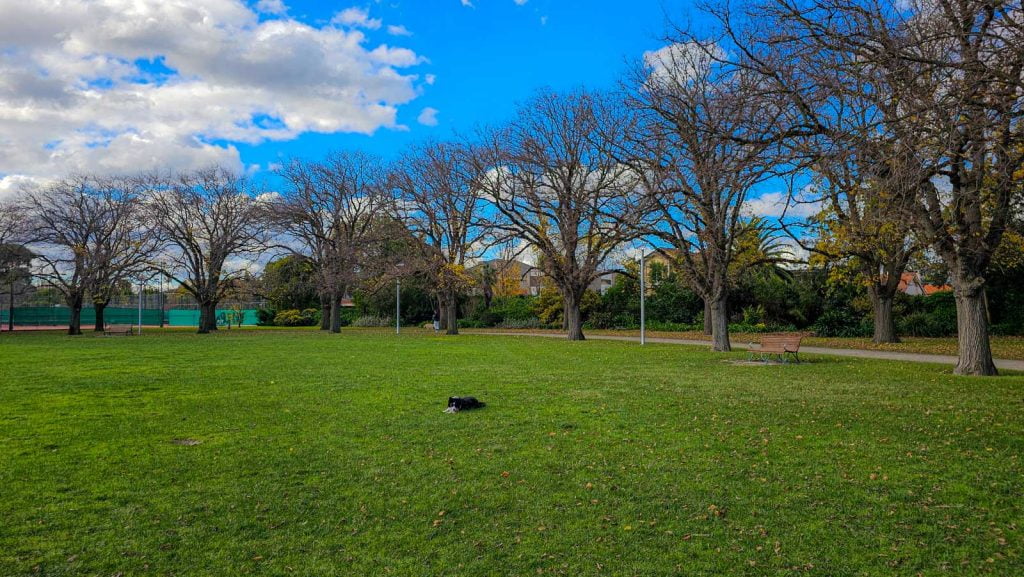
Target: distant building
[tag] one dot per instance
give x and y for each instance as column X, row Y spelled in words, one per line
column 911, row 284
column 513, row 277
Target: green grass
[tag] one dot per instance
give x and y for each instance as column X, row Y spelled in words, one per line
column 1003, row 347
column 329, row 455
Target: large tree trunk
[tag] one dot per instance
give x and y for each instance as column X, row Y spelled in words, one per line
column 885, row 324
column 207, row 317
column 972, row 332
column 452, row 310
column 707, row 317
column 100, row 324
column 75, row 323
column 335, row 313
column 442, row 313
column 325, row 313
column 720, row 325
column 573, row 317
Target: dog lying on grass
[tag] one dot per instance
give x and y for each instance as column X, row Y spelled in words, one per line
column 456, row 404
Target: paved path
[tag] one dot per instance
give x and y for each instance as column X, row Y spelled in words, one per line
column 861, row 353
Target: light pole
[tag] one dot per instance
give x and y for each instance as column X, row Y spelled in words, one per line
column 398, row 298
column 140, row 306
column 643, row 299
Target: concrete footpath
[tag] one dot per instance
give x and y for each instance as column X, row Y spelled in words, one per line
column 1004, row 364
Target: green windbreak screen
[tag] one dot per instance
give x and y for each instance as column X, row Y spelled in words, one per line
column 187, row 318
column 61, row 316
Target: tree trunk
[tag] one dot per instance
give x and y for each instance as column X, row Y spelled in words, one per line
column 707, row 317
column 325, row 313
column 720, row 325
column 207, row 317
column 452, row 310
column 885, row 324
column 335, row 313
column 573, row 317
column 442, row 314
column 75, row 323
column 99, row 308
column 972, row 334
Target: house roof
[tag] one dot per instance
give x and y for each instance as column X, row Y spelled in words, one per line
column 907, row 279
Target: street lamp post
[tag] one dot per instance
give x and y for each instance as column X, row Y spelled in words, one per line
column 643, row 299
column 398, row 306
column 140, row 306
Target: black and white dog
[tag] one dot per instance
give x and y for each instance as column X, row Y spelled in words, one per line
column 456, row 404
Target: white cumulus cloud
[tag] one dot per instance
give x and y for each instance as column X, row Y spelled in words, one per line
column 123, row 85
column 777, row 204
column 356, row 17
column 428, row 117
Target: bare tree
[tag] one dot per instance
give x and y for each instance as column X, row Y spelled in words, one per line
column 867, row 192
column 945, row 80
column 12, row 221
column 209, row 217
column 15, row 257
column 89, row 236
column 333, row 210
column 127, row 248
column 553, row 185
column 698, row 142
column 440, row 204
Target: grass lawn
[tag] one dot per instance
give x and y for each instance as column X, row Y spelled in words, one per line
column 330, row 455
column 1002, row 347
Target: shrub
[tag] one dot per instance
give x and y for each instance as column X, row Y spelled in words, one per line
column 531, row 323
column 265, row 317
column 753, row 315
column 297, row 318
column 672, row 327
column 371, row 321
column 840, row 323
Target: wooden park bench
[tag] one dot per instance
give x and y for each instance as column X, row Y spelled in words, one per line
column 782, row 347
column 125, row 330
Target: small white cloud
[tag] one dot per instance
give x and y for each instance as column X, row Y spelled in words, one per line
column 467, row 3
column 678, row 63
column 398, row 30
column 275, row 7
column 430, row 79
column 520, row 2
column 775, row 204
column 543, row 20
column 356, row 18
column 428, row 117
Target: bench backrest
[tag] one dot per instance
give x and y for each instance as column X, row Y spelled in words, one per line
column 790, row 342
column 114, row 328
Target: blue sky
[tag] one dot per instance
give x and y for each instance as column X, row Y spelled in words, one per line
column 116, row 86
column 488, row 57
column 120, row 86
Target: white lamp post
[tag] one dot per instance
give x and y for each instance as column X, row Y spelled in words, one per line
column 398, row 300
column 643, row 299
column 140, row 306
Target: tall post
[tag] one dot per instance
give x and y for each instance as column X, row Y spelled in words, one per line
column 398, row 306
column 140, row 307
column 10, row 309
column 643, row 300
column 162, row 301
